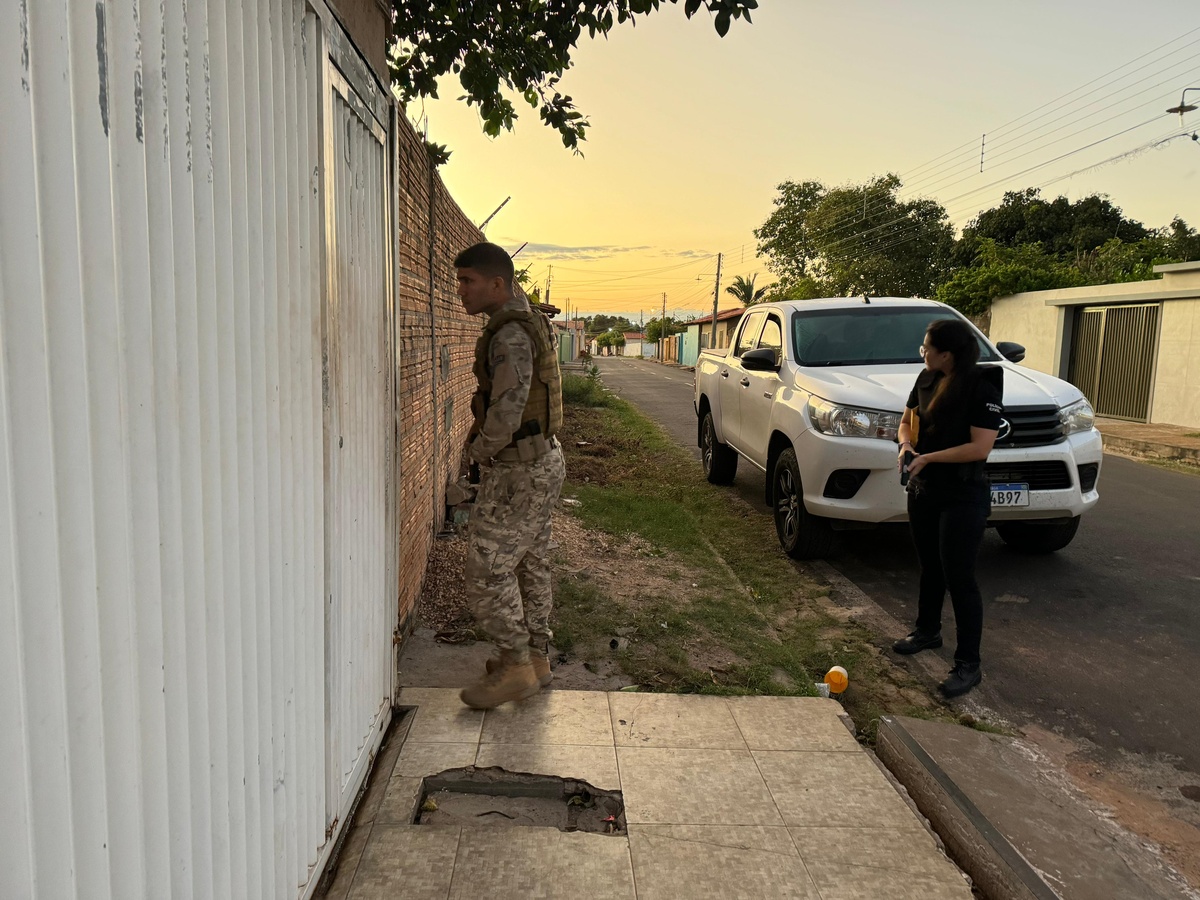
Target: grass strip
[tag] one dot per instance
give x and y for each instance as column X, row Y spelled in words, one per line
column 737, row 616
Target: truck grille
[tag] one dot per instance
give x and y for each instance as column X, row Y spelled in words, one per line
column 1041, row 475
column 1032, row 426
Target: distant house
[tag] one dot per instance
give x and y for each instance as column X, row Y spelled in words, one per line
column 637, row 345
column 571, row 341
column 699, row 334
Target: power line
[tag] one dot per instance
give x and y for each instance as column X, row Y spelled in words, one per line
column 920, row 178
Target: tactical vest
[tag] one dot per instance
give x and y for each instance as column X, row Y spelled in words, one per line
column 544, row 404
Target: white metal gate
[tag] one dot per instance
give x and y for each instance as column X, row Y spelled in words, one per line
column 1113, row 358
column 360, row 542
column 198, row 545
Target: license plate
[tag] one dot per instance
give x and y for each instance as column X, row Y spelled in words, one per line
column 1010, row 495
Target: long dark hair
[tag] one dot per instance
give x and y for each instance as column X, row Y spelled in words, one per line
column 955, row 337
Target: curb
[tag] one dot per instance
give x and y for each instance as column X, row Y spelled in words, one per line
column 1150, row 450
column 995, row 865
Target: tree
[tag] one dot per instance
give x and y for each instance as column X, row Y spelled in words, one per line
column 744, row 291
column 1000, row 271
column 871, row 242
column 1183, row 243
column 1061, row 227
column 494, row 46
column 803, row 289
column 784, row 237
column 856, row 239
column 601, row 322
column 654, row 329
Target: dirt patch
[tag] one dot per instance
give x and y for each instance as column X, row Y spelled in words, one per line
column 443, row 603
column 628, row 569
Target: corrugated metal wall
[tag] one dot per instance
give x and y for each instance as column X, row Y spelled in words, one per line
column 163, row 538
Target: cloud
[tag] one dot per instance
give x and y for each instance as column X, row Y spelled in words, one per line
column 560, row 253
column 594, row 252
column 687, row 254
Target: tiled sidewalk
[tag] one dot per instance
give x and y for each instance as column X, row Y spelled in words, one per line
column 749, row 797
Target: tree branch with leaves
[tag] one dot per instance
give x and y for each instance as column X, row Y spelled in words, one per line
column 523, row 48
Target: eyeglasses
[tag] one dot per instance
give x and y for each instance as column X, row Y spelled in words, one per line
column 923, row 350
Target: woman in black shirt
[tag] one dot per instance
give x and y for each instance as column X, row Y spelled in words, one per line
column 949, row 425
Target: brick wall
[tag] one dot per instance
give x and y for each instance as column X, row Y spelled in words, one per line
column 435, row 346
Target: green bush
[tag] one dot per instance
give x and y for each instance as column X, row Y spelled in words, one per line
column 584, row 390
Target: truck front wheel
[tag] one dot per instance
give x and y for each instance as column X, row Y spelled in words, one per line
column 801, row 534
column 1029, row 537
column 720, row 460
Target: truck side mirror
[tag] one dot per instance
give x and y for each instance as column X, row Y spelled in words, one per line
column 763, row 359
column 1011, row 351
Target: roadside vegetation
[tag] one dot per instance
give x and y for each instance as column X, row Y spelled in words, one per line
column 722, row 610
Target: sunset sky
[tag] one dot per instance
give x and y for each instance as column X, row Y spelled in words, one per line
column 691, row 133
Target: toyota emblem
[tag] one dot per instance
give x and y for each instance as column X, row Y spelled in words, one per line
column 1005, row 430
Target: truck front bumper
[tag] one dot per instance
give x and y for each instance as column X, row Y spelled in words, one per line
column 882, row 498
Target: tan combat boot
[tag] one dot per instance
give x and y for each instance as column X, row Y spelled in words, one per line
column 541, row 666
column 512, row 679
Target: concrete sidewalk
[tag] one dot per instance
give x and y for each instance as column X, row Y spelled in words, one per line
column 1144, row 441
column 749, row 797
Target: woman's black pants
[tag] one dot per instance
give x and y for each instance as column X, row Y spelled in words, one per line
column 947, row 528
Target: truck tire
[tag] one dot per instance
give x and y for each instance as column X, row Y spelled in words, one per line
column 801, row 534
column 720, row 460
column 1029, row 537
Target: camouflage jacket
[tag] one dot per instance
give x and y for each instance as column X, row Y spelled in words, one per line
column 511, row 362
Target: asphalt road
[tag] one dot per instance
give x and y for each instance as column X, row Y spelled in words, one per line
column 1099, row 642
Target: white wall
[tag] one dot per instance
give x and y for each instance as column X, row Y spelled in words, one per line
column 1176, row 398
column 1027, row 320
column 1037, row 320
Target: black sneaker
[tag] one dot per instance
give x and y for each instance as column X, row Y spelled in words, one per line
column 916, row 642
column 961, row 679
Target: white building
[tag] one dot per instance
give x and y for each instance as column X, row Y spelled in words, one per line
column 1132, row 348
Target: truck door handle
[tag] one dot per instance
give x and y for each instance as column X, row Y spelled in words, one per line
column 724, row 373
column 745, row 382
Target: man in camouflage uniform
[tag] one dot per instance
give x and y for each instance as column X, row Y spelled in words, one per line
column 518, row 408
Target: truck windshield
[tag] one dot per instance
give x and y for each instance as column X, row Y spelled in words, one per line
column 871, row 335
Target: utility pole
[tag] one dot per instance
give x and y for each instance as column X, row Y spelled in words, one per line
column 712, row 344
column 662, row 331
column 549, row 278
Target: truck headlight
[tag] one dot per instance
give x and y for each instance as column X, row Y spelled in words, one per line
column 849, row 421
column 1077, row 417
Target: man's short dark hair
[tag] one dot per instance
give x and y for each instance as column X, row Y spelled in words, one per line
column 487, row 259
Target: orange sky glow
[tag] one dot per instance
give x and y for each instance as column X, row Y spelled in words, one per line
column 691, row 133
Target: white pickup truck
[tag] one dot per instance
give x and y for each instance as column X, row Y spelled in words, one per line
column 811, row 393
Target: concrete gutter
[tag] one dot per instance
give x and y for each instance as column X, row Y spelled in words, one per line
column 1015, row 823
column 997, row 868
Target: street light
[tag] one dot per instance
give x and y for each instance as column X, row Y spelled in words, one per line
column 1183, row 107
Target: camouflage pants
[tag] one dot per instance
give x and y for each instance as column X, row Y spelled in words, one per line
column 508, row 555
